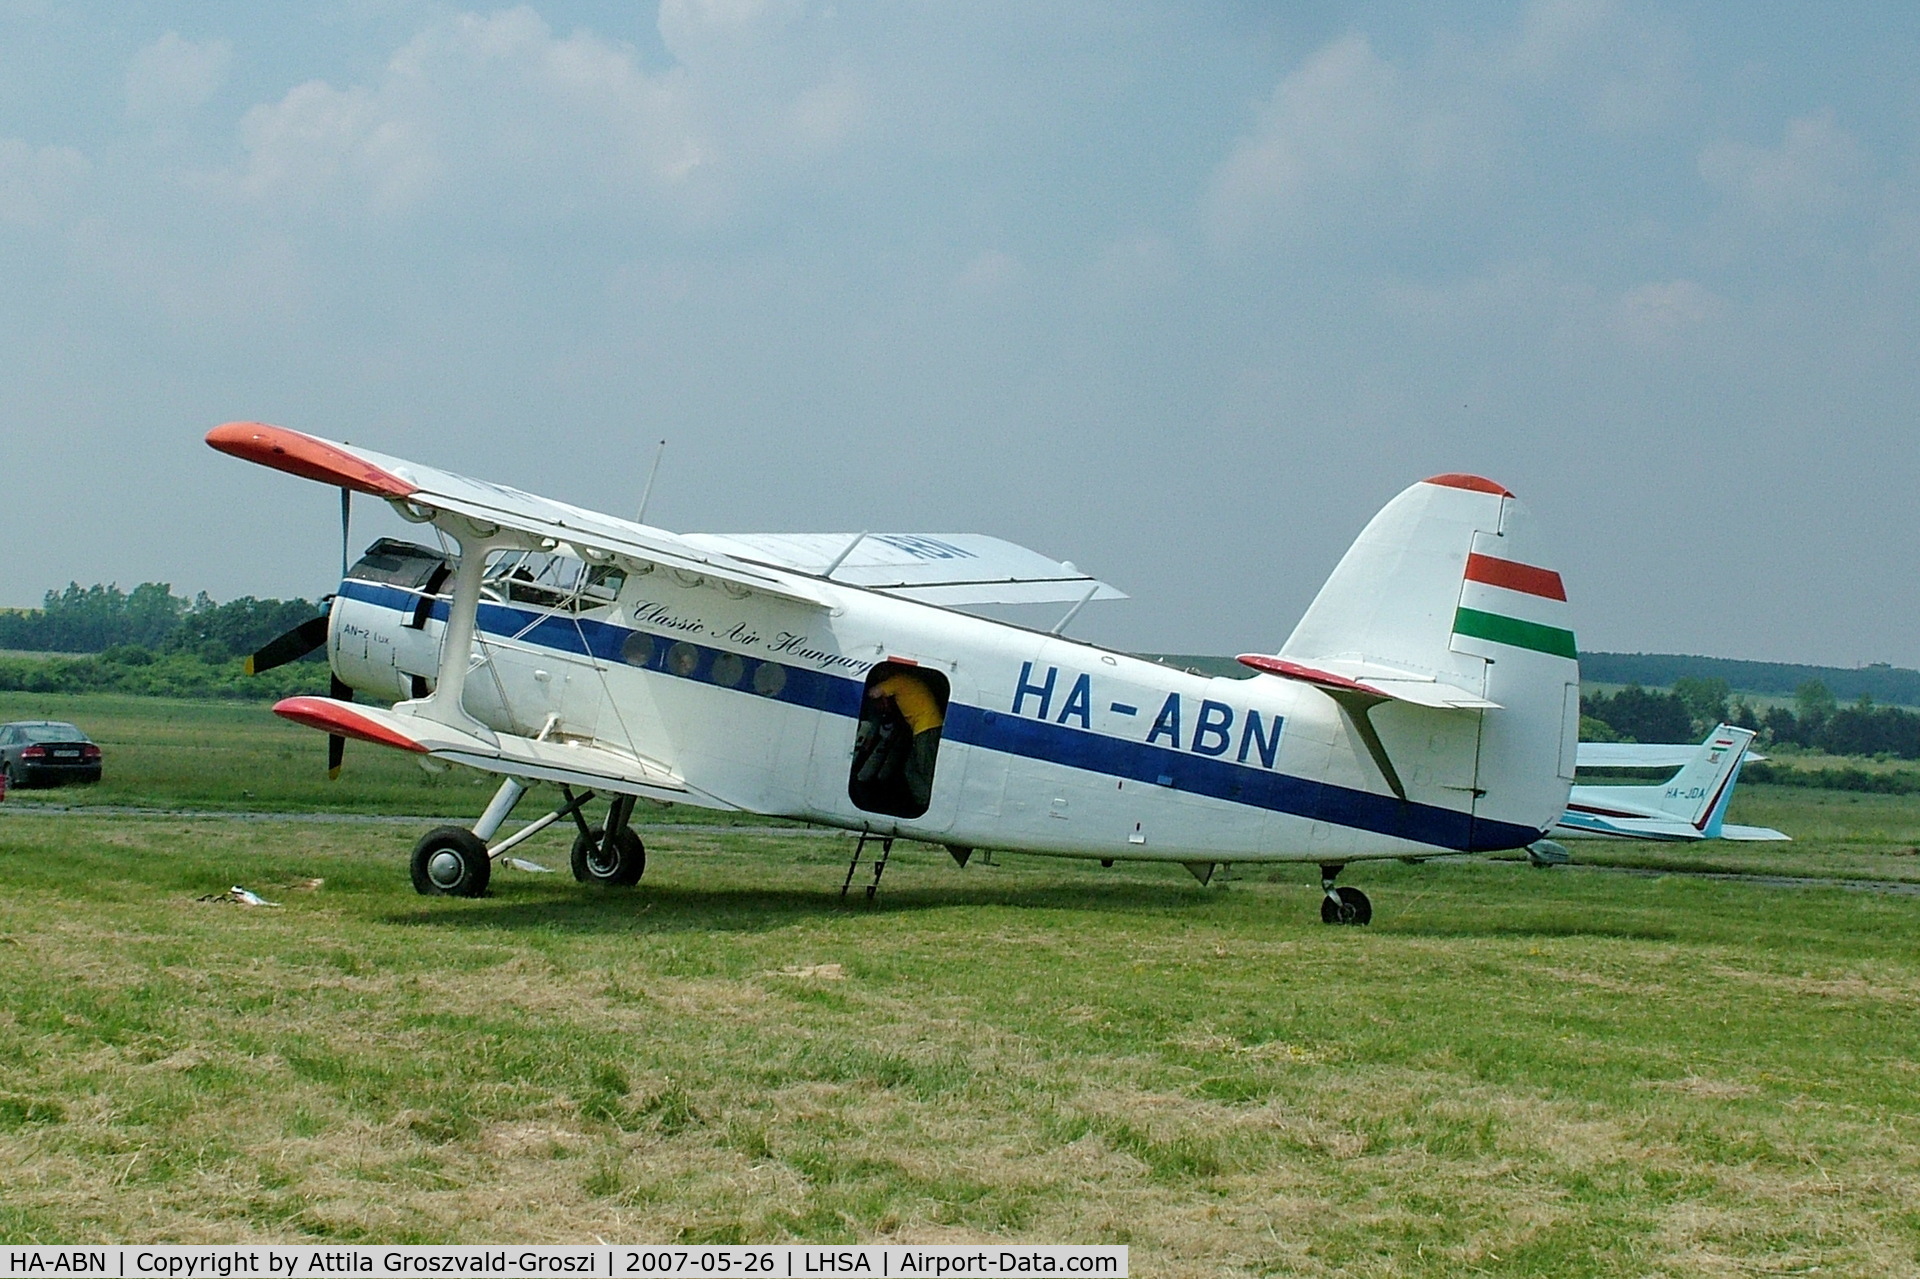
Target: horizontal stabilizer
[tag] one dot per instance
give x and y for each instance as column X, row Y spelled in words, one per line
column 936, row 568
column 1372, row 679
column 1753, row 834
column 563, row 762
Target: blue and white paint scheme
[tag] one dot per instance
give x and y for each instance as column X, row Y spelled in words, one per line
column 1691, row 805
column 552, row 644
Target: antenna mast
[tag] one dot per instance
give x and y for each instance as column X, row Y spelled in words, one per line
column 646, row 494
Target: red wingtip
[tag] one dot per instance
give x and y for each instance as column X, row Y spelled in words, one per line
column 1473, row 483
column 303, row 455
column 330, row 716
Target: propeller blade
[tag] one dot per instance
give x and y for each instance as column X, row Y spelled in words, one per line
column 291, row 647
column 341, row 691
column 346, row 521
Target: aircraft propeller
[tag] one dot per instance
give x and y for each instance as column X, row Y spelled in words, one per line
column 311, row 634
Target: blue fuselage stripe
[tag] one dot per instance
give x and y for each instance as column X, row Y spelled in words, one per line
column 984, row 729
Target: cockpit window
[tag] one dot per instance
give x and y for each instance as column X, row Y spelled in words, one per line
column 552, row 581
column 398, row 563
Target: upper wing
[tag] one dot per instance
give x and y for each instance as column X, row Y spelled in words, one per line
column 937, row 568
column 424, row 493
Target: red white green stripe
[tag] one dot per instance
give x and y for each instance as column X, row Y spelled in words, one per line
column 1519, row 605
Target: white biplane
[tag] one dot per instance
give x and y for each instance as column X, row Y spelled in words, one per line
column 1428, row 702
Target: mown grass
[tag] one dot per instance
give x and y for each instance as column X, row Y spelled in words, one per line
column 1511, row 1072
column 172, row 753
column 216, row 756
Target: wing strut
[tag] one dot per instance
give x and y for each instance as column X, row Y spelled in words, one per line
column 444, row 704
column 1358, row 707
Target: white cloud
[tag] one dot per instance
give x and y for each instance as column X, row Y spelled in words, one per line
column 1526, row 299
column 173, row 74
column 1554, row 33
column 260, row 285
column 497, row 112
column 1343, row 125
column 1351, row 139
column 704, row 32
column 1530, row 290
column 990, row 272
column 37, row 182
column 1623, row 71
column 1135, row 264
column 1657, row 313
column 1815, row 171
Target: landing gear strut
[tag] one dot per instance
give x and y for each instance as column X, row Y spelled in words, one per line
column 452, row 861
column 1342, row 905
column 611, row 856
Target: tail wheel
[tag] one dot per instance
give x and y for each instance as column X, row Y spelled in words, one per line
column 616, row 861
column 451, row 861
column 1346, row 906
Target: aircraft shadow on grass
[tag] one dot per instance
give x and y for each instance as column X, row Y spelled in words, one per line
column 559, row 906
column 752, row 910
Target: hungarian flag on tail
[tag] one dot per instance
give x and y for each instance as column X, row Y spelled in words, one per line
column 1508, row 603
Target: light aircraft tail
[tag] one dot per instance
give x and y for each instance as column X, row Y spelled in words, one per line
column 1700, row 792
column 1445, row 634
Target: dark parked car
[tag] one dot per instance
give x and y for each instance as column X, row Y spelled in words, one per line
column 45, row 752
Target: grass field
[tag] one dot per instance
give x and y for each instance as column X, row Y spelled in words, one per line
column 1513, row 1071
column 160, row 752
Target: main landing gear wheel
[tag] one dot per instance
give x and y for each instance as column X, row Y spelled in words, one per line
column 1346, row 905
column 451, row 861
column 616, row 861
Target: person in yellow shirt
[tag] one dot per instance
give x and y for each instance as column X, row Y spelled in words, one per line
column 909, row 695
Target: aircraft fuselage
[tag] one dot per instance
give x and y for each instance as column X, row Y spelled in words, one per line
column 1049, row 745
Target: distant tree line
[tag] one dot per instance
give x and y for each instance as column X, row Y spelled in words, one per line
column 127, row 668
column 1881, row 682
column 151, row 619
column 152, row 642
column 1636, row 714
column 1816, row 721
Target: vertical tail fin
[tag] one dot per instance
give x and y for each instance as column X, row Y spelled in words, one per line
column 1699, row 793
column 1448, row 604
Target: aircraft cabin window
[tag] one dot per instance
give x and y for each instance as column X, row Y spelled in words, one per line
column 552, row 581
column 897, row 741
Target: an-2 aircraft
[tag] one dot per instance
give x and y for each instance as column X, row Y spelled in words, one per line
column 1427, row 703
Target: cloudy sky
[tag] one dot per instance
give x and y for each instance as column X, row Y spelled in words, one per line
column 1182, row 293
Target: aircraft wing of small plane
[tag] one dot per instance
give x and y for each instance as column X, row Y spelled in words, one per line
column 423, row 492
column 1691, row 805
column 1642, row 754
column 949, row 569
column 565, row 762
